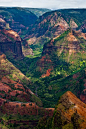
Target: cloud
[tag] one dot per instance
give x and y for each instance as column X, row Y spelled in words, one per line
column 5, row 1
column 53, row 4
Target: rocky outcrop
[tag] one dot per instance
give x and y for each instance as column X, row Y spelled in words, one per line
column 69, row 113
column 26, row 50
column 70, row 107
column 73, row 25
column 2, row 23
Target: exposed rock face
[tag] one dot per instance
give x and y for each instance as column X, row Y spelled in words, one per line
column 70, row 43
column 26, row 50
column 46, row 27
column 10, row 42
column 52, row 24
column 70, row 113
column 2, row 23
column 12, row 88
column 69, row 104
column 71, row 37
column 73, row 25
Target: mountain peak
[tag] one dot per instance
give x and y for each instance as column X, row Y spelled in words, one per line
column 71, row 104
column 70, row 113
column 70, row 98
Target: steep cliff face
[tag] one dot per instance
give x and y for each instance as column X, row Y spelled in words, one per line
column 10, row 42
column 26, row 50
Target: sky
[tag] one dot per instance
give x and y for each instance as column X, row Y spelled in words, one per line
column 51, row 4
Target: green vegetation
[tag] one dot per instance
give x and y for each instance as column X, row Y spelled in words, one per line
column 18, row 14
column 18, row 18
column 67, row 68
column 49, row 89
column 38, row 11
column 16, row 121
column 11, row 71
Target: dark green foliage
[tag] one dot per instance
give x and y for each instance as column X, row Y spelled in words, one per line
column 57, row 121
column 42, row 123
column 75, row 120
column 49, row 89
column 17, row 121
column 20, row 15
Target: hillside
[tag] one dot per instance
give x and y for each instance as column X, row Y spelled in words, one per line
column 9, row 70
column 62, row 55
column 52, row 73
column 60, row 68
column 50, row 89
column 19, row 19
column 54, row 23
column 69, row 113
column 18, row 104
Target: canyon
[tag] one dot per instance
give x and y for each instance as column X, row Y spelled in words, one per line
column 50, row 50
